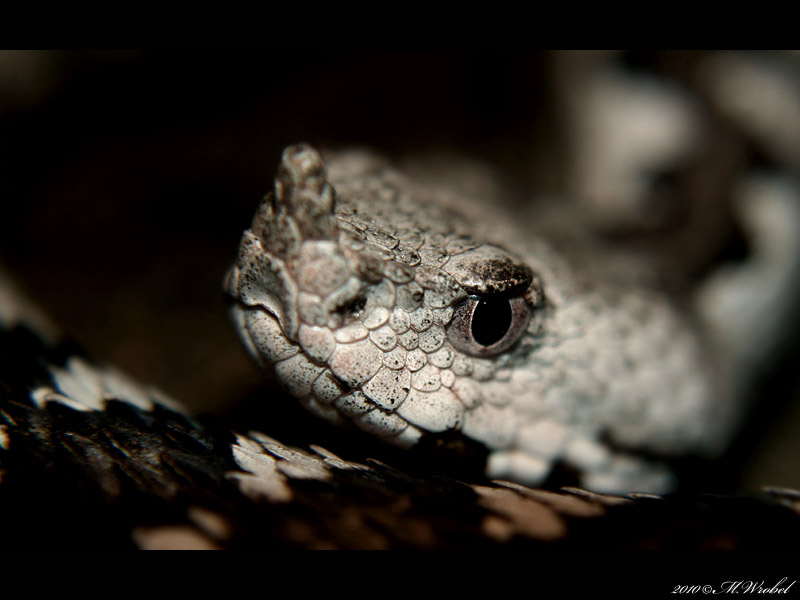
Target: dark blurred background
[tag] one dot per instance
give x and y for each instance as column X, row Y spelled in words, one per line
column 126, row 179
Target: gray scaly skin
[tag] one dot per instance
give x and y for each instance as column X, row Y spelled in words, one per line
column 358, row 284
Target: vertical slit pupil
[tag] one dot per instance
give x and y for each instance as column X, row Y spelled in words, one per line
column 491, row 320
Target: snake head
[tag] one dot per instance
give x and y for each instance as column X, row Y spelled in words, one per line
column 368, row 315
column 380, row 301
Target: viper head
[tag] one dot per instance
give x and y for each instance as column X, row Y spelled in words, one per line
column 367, row 312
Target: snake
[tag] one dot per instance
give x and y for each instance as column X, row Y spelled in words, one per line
column 413, row 306
column 392, row 307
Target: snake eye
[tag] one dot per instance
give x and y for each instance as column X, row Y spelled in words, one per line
column 488, row 325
